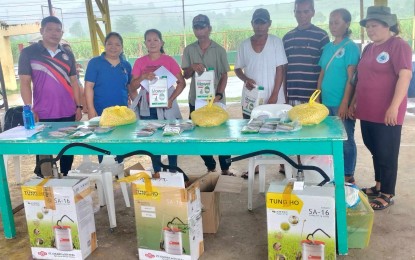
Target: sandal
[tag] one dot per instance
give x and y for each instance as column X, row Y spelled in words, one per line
column 245, row 174
column 378, row 205
column 373, row 192
column 351, row 180
column 227, row 173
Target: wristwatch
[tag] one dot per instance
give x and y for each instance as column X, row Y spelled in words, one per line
column 220, row 95
column 79, row 106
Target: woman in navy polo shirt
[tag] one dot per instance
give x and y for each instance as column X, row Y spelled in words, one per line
column 107, row 77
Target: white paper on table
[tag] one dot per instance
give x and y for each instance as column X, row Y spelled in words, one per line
column 162, row 71
column 201, row 103
column 19, row 132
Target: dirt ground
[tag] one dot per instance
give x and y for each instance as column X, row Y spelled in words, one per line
column 242, row 234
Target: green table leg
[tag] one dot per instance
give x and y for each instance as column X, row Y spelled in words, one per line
column 5, row 204
column 341, row 221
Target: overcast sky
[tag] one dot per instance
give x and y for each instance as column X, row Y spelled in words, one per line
column 29, row 11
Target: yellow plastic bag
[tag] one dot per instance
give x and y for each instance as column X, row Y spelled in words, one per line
column 309, row 113
column 117, row 115
column 209, row 115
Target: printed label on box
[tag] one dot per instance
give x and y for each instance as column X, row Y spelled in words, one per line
column 301, row 224
column 60, row 218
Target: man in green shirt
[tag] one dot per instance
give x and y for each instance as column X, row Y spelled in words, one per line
column 198, row 57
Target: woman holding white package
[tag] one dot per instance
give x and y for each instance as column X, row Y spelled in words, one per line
column 143, row 73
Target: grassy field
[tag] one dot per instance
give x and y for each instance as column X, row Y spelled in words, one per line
column 175, row 43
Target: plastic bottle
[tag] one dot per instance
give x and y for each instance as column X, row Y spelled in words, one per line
column 261, row 95
column 28, row 118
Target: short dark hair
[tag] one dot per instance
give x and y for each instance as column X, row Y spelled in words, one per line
column 109, row 35
column 311, row 2
column 346, row 16
column 158, row 34
column 50, row 19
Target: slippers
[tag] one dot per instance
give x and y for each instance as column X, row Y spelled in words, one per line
column 373, row 192
column 351, row 180
column 227, row 173
column 378, row 205
column 245, row 174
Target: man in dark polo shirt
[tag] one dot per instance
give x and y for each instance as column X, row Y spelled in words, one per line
column 303, row 46
column 51, row 69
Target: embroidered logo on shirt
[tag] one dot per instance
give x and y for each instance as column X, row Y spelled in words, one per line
column 340, row 53
column 383, row 57
column 65, row 57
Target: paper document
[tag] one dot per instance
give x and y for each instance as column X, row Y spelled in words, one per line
column 162, row 71
column 19, row 132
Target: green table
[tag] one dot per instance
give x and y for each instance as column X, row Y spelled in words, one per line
column 323, row 139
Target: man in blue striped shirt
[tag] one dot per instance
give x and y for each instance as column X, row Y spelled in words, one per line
column 303, row 46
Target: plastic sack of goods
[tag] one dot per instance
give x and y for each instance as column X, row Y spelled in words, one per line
column 117, row 115
column 310, row 113
column 209, row 115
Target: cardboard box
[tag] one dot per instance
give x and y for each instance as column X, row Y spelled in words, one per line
column 60, row 218
column 210, row 187
column 359, row 223
column 137, row 167
column 301, row 223
column 168, row 218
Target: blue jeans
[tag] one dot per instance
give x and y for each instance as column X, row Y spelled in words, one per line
column 157, row 158
column 349, row 146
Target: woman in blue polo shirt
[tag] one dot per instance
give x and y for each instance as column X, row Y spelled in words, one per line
column 107, row 77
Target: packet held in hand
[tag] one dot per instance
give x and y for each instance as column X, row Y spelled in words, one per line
column 205, row 84
column 252, row 98
column 158, row 92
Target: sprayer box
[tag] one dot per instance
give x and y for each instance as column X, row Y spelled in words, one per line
column 60, row 218
column 301, row 223
column 168, row 218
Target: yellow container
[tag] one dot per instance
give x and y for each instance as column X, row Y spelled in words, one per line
column 359, row 223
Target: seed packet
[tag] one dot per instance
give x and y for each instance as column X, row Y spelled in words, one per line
column 155, row 125
column 205, row 84
column 80, row 134
column 289, row 127
column 145, row 132
column 103, row 129
column 184, row 126
column 268, row 127
column 256, row 122
column 86, row 128
column 187, row 126
column 172, row 130
column 68, row 130
column 250, row 129
column 57, row 134
column 158, row 92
